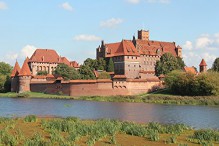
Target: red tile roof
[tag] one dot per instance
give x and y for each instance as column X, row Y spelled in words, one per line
column 203, row 63
column 190, row 69
column 45, row 55
column 16, row 70
column 25, row 70
column 147, row 72
column 51, row 56
column 148, row 47
column 123, row 48
column 74, row 64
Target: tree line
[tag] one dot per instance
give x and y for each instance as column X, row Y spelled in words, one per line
column 184, row 83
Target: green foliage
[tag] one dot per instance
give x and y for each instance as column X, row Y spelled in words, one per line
column 5, row 69
column 86, row 73
column 110, row 66
column 104, row 75
column 171, row 139
column 95, row 64
column 167, row 63
column 215, row 66
column 7, row 139
column 180, row 62
column 23, row 95
column 42, row 73
column 183, row 83
column 68, row 73
column 101, row 64
column 30, row 118
column 205, row 137
column 92, row 63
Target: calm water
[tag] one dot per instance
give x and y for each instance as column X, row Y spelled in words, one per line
column 195, row 116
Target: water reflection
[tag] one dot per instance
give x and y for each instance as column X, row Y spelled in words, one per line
column 195, row 116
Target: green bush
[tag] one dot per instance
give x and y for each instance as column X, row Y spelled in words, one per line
column 183, row 83
column 23, row 95
column 30, row 118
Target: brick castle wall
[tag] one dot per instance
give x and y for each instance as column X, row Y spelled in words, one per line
column 95, row 87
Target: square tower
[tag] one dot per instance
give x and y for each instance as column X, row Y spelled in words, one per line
column 143, row 35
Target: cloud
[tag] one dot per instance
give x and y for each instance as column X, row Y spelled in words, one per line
column 86, row 37
column 133, row 1
column 205, row 46
column 111, row 23
column 203, row 42
column 158, row 1
column 67, row 6
column 188, row 45
column 28, row 50
column 3, row 6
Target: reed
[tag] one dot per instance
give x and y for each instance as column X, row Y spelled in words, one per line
column 30, row 118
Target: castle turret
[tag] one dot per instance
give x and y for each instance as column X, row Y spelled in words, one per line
column 179, row 51
column 24, row 77
column 15, row 78
column 143, row 35
column 203, row 66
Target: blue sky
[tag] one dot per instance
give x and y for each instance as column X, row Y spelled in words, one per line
column 75, row 28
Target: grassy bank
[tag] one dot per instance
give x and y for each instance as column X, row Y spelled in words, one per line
column 160, row 97
column 72, row 131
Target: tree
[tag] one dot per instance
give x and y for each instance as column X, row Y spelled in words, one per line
column 5, row 69
column 104, row 75
column 181, row 62
column 101, row 64
column 68, row 73
column 92, row 63
column 215, row 65
column 110, row 66
column 42, row 73
column 166, row 64
column 86, row 73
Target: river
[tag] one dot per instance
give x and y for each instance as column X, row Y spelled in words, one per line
column 195, row 116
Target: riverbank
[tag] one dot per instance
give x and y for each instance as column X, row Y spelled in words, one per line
column 161, row 97
column 70, row 131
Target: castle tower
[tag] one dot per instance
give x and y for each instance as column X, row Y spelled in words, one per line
column 15, row 78
column 143, row 35
column 179, row 51
column 203, row 66
column 24, row 77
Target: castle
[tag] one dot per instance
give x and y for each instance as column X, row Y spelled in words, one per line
column 136, row 58
column 134, row 63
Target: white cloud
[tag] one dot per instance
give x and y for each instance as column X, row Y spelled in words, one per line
column 67, row 6
column 86, row 37
column 28, row 50
column 12, row 56
column 133, row 1
column 158, row 1
column 188, row 45
column 3, row 6
column 203, row 42
column 111, row 23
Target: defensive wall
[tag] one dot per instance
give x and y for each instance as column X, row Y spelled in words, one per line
column 104, row 87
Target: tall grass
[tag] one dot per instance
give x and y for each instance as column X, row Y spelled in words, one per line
column 30, row 118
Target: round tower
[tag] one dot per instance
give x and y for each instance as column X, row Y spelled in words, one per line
column 25, row 77
column 203, row 66
column 15, row 78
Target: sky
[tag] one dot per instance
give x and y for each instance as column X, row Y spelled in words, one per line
column 75, row 28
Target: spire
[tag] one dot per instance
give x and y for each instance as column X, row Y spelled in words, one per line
column 25, row 70
column 203, row 63
column 16, row 70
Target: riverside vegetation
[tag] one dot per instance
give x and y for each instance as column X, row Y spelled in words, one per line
column 70, row 131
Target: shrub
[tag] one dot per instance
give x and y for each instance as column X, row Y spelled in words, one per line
column 23, row 95
column 188, row 84
column 30, row 118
